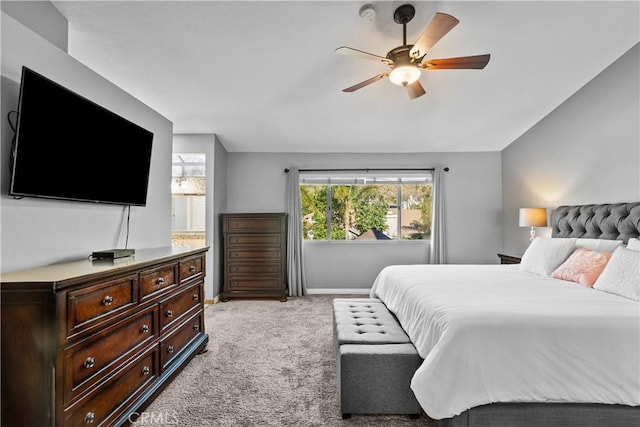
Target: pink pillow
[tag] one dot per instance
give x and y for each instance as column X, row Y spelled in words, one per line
column 583, row 266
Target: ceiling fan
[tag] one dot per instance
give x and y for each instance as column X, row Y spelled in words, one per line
column 406, row 61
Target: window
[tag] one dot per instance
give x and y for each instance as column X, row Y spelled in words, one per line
column 366, row 206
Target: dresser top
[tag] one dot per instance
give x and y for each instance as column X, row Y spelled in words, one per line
column 68, row 272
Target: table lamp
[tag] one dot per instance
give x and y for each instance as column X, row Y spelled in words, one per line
column 533, row 217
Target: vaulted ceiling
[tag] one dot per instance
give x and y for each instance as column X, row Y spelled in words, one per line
column 264, row 77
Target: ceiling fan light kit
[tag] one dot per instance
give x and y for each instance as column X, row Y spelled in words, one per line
column 406, row 60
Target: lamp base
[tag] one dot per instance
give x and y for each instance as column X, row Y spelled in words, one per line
column 532, row 233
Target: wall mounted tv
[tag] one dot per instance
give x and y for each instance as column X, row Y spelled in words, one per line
column 68, row 147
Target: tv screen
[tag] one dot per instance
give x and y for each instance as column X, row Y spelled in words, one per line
column 68, row 147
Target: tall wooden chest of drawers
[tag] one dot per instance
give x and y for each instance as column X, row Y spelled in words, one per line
column 92, row 343
column 254, row 255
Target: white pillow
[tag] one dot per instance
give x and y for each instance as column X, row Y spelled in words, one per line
column 633, row 244
column 598, row 245
column 621, row 276
column 543, row 255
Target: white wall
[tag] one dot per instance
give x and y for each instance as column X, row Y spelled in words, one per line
column 585, row 151
column 216, row 158
column 473, row 199
column 36, row 231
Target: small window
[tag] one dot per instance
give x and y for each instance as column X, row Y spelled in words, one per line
column 366, row 206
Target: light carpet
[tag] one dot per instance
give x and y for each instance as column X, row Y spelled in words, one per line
column 269, row 364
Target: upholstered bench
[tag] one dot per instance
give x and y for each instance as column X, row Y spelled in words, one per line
column 375, row 359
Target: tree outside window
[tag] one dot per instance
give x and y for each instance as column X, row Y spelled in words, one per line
column 380, row 208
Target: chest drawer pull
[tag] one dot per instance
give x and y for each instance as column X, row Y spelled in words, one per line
column 169, row 313
column 196, row 297
column 89, row 418
column 192, row 268
column 144, row 329
column 160, row 281
column 196, row 327
column 170, row 349
column 146, row 370
column 107, row 300
column 89, row 362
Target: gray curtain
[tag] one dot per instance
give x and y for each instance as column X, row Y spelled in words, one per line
column 295, row 266
column 438, row 252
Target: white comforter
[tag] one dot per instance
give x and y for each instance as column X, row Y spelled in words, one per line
column 491, row 333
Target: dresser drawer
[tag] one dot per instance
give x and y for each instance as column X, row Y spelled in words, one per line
column 174, row 308
column 179, row 339
column 93, row 358
column 92, row 304
column 253, row 254
column 157, row 280
column 112, row 398
column 262, row 224
column 267, row 268
column 238, row 239
column 254, row 283
column 191, row 268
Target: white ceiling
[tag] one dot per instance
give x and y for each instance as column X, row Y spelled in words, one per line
column 264, row 77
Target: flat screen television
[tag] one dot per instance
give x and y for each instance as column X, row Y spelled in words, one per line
column 68, row 147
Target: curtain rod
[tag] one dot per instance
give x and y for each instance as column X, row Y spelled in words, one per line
column 446, row 169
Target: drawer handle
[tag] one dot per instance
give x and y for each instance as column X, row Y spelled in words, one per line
column 146, row 370
column 89, row 362
column 196, row 297
column 89, row 418
column 169, row 313
column 196, row 327
column 160, row 281
column 170, row 349
column 192, row 268
column 107, row 300
column 144, row 329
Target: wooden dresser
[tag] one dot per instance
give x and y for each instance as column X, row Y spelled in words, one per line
column 93, row 342
column 254, row 255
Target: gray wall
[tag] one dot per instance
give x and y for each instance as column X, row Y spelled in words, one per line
column 37, row 231
column 585, row 151
column 41, row 17
column 219, row 205
column 473, row 199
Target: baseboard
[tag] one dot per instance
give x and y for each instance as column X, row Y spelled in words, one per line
column 215, row 300
column 324, row 291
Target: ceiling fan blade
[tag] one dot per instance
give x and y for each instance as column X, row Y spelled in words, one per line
column 365, row 83
column 440, row 24
column 415, row 90
column 349, row 51
column 477, row 62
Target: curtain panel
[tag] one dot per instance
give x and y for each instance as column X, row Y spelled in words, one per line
column 295, row 265
column 438, row 252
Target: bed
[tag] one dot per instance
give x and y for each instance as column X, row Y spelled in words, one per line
column 511, row 345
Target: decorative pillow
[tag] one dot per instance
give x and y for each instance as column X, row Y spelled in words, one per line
column 633, row 244
column 621, row 276
column 598, row 245
column 543, row 255
column 583, row 266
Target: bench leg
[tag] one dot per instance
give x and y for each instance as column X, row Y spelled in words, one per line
column 414, row 416
column 346, row 416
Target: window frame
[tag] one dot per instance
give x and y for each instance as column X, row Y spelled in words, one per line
column 397, row 177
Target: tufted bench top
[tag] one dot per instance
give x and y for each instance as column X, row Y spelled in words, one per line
column 365, row 321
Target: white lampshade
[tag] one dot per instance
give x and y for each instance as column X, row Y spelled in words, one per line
column 533, row 217
column 403, row 75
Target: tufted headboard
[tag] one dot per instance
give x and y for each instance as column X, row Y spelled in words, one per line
column 615, row 221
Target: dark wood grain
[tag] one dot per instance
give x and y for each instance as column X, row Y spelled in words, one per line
column 254, row 255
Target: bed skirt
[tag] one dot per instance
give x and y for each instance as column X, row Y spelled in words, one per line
column 545, row 414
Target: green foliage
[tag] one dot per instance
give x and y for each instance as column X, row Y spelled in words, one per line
column 356, row 209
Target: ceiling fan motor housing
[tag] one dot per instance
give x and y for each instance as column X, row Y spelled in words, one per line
column 401, row 55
